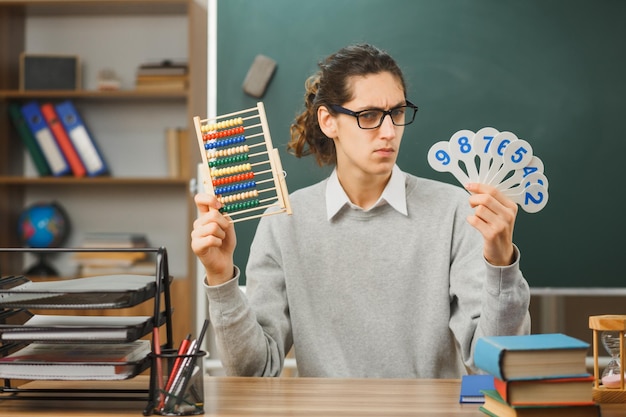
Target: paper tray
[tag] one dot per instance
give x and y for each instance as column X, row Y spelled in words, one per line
column 77, row 361
column 84, row 329
column 87, row 371
column 100, row 292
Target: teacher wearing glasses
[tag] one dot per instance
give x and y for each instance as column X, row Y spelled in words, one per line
column 377, row 273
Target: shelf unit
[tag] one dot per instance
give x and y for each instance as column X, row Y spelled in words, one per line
column 154, row 290
column 140, row 194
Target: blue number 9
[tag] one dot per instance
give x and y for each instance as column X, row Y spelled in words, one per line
column 443, row 157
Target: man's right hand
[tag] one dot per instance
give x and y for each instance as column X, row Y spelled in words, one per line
column 213, row 240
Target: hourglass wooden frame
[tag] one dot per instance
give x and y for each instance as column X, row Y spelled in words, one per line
column 599, row 324
column 240, row 166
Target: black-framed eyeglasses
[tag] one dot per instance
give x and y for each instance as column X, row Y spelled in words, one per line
column 373, row 118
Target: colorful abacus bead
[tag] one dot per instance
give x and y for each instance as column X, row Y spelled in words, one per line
column 228, row 160
column 211, row 127
column 234, row 178
column 215, row 172
column 238, row 197
column 229, row 208
column 235, row 187
column 223, row 143
column 229, row 151
column 223, row 133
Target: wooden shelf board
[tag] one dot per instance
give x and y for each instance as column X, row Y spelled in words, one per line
column 86, row 94
column 101, row 7
column 117, row 181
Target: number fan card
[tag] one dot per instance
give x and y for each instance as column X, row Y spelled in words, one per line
column 496, row 158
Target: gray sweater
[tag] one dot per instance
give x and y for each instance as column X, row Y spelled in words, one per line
column 368, row 293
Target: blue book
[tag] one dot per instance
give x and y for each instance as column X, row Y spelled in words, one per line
column 81, row 138
column 534, row 356
column 45, row 139
column 472, row 386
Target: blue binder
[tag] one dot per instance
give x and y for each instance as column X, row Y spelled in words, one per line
column 82, row 140
column 45, row 139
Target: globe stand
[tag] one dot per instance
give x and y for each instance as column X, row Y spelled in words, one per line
column 41, row 268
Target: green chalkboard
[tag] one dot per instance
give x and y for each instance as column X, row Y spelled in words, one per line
column 550, row 71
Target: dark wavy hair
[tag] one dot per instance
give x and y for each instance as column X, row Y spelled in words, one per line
column 331, row 85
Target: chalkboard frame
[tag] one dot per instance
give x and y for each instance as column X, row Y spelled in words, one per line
column 549, row 71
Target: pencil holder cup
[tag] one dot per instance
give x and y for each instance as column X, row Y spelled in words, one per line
column 179, row 389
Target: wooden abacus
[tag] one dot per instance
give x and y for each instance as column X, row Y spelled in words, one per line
column 603, row 394
column 240, row 166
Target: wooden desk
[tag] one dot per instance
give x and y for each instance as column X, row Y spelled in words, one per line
column 277, row 397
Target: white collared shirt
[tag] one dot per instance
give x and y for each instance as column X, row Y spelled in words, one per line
column 394, row 194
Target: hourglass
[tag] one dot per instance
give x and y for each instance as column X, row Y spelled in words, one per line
column 611, row 374
column 609, row 386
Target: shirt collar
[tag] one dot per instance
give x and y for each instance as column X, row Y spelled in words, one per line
column 394, row 194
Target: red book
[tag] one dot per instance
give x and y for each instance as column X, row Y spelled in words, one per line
column 495, row 406
column 61, row 137
column 548, row 391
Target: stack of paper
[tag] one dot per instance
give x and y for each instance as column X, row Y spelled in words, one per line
column 65, row 361
column 112, row 262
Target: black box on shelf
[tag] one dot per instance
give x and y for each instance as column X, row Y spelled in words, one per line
column 49, row 72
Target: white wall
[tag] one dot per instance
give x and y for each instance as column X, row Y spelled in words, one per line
column 131, row 134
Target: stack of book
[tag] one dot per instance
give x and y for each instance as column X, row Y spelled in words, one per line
column 162, row 75
column 113, row 262
column 57, row 139
column 536, row 375
column 177, row 150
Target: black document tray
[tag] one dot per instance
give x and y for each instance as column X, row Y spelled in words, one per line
column 100, row 292
column 95, row 329
column 17, row 295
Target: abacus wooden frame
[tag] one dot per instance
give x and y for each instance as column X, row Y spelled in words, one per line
column 280, row 186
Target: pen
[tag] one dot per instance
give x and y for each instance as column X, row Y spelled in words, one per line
column 202, row 332
column 177, row 363
column 190, row 365
column 176, row 387
column 192, row 400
